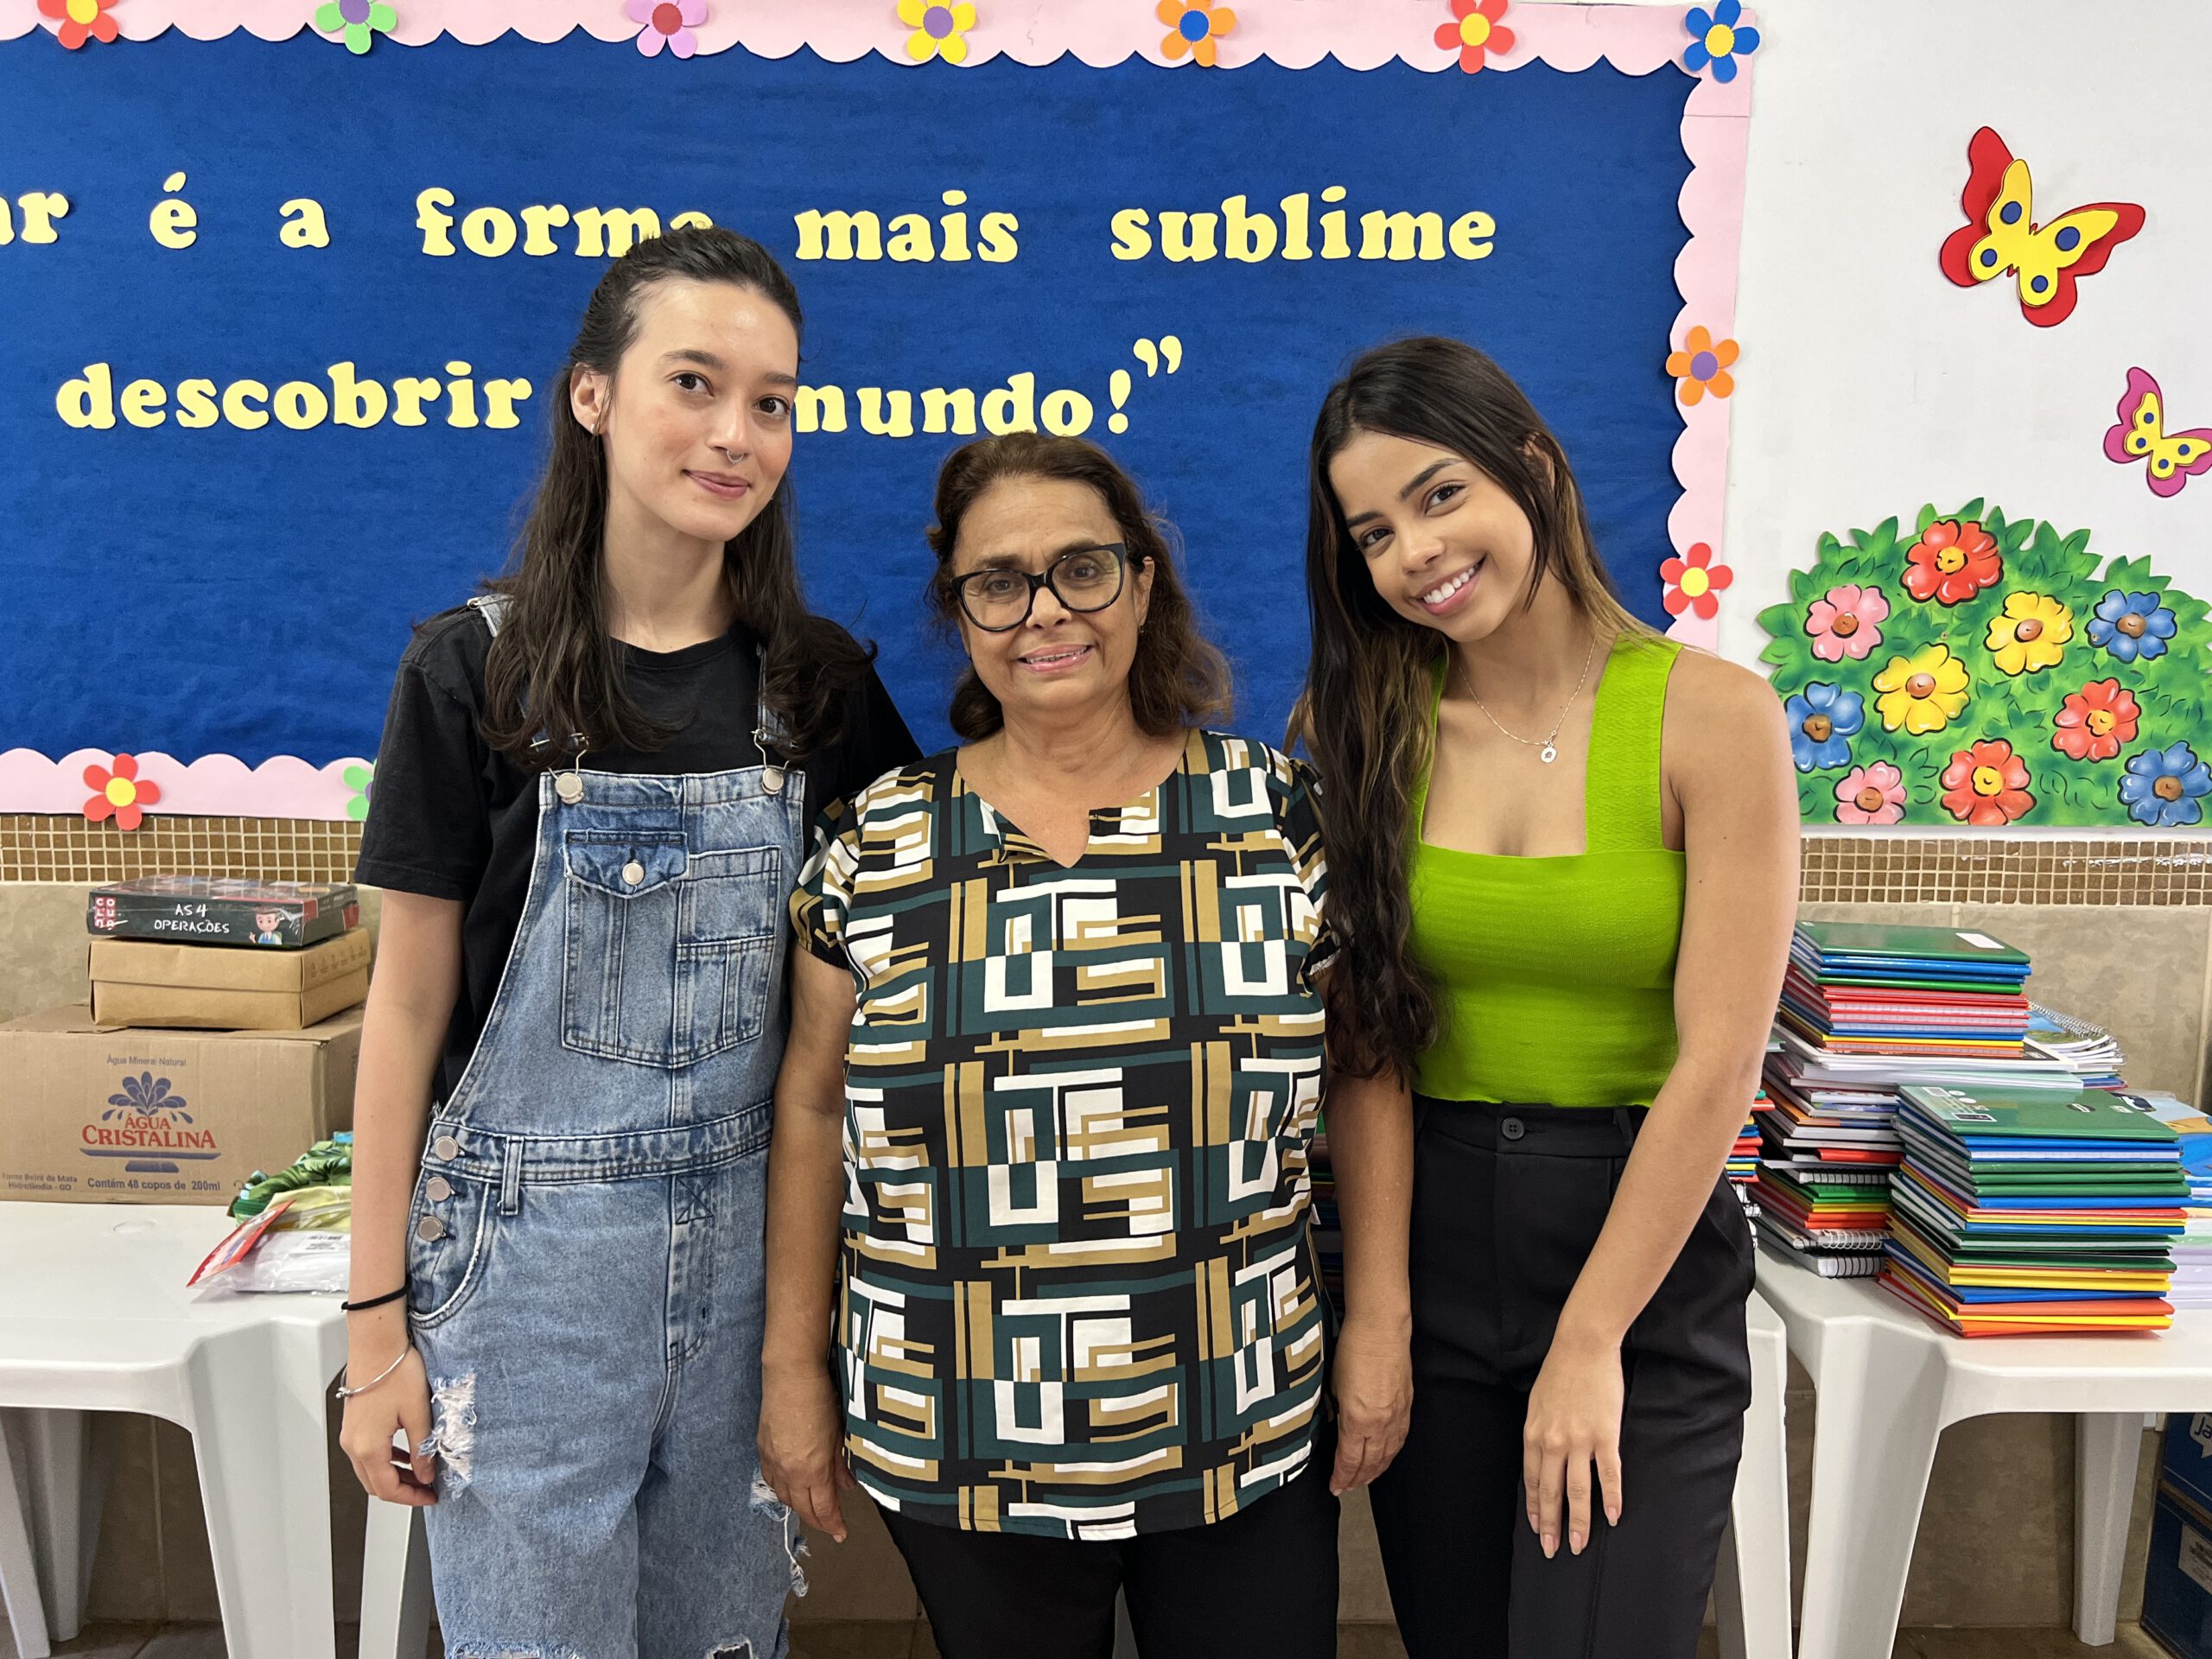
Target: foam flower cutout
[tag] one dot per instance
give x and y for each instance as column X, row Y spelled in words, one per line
column 940, row 31
column 1694, row 583
column 1952, row 562
column 2096, row 721
column 1702, row 365
column 2031, row 636
column 80, row 20
column 1194, row 26
column 362, row 20
column 1844, row 624
column 360, row 779
column 2166, row 788
column 667, row 22
column 1987, row 784
column 1873, row 794
column 1822, row 722
column 119, row 792
column 1475, row 32
column 1923, row 692
column 2130, row 626
column 1719, row 37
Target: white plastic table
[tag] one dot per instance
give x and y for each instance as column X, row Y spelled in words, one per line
column 1890, row 1381
column 94, row 1316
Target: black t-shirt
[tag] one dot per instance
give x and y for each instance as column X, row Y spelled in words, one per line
column 452, row 817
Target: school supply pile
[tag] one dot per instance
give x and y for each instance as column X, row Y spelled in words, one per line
column 1866, row 1010
column 1885, row 992
column 2089, row 1052
column 2034, row 1211
column 2192, row 1280
column 1744, row 1156
column 215, row 953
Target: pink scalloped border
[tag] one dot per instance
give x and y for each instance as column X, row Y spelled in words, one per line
column 1359, row 34
column 215, row 785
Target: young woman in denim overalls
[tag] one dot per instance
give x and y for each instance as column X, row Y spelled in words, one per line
column 590, row 797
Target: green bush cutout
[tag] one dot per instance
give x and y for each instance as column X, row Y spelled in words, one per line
column 1985, row 671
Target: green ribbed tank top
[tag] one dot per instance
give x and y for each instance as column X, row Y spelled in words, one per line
column 1554, row 977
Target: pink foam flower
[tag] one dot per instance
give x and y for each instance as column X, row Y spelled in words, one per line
column 667, row 22
column 1844, row 623
column 1873, row 794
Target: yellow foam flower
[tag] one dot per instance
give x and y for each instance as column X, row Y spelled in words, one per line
column 1923, row 692
column 940, row 29
column 2031, row 634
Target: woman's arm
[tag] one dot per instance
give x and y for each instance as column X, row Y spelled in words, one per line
column 802, row 1415
column 1731, row 774
column 1370, row 1124
column 410, row 1004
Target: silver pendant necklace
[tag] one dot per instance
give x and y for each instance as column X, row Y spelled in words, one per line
column 1549, row 751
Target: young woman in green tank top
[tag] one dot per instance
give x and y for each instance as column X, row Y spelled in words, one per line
column 1564, row 857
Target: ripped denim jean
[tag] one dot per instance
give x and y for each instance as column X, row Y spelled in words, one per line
column 585, row 1246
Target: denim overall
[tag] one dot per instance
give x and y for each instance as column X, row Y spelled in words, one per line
column 586, row 1239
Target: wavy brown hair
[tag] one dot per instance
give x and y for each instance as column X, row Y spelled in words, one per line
column 1176, row 678
column 554, row 669
column 1363, row 714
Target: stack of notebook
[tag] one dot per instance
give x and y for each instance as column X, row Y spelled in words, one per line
column 2089, row 1052
column 2035, row 1211
column 1744, row 1156
column 1865, row 1010
column 2192, row 1284
column 1864, row 989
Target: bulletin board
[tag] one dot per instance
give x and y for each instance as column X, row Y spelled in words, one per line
column 292, row 283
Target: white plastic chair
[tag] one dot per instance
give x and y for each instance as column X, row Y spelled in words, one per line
column 1890, row 1382
column 94, row 1316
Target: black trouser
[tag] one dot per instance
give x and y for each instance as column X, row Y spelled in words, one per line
column 1262, row 1585
column 1508, row 1201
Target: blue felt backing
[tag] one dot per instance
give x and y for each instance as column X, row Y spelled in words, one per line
column 248, row 591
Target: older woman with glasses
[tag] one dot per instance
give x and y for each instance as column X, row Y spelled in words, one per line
column 1054, row 1069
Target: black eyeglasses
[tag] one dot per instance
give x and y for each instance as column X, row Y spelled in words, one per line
column 1085, row 578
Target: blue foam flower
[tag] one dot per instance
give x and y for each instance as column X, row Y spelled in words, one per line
column 2166, row 788
column 1718, row 38
column 1822, row 719
column 2130, row 626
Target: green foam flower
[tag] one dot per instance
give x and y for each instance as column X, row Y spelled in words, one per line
column 362, row 20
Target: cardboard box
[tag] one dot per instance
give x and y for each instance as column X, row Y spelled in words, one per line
column 136, row 1117
column 137, row 982
column 2178, row 1576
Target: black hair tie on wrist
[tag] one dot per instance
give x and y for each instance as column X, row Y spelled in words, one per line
column 376, row 1301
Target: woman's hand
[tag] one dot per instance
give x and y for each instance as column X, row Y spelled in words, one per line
column 802, row 1443
column 1375, row 1400
column 1574, row 1421
column 398, row 1405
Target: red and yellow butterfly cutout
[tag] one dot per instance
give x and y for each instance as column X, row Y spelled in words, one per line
column 2169, row 459
column 2001, row 236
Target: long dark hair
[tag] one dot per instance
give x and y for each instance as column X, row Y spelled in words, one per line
column 1176, row 678
column 554, row 668
column 1363, row 714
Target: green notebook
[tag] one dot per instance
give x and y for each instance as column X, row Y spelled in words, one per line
column 1919, row 943
column 1994, row 1116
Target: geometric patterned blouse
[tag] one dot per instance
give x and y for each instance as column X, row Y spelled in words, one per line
column 1077, row 1296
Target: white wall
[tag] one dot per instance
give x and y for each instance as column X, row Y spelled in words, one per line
column 1868, row 383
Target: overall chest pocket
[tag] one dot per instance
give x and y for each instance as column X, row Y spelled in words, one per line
column 669, row 955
